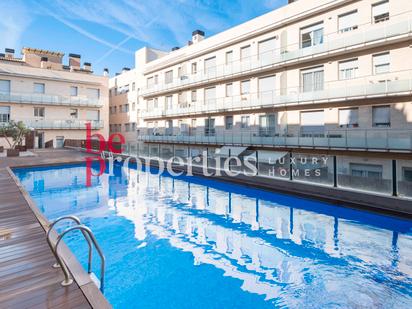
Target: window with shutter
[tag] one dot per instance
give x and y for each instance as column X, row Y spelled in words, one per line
column 380, row 12
column 348, row 21
column 348, row 117
column 381, row 116
column 312, row 35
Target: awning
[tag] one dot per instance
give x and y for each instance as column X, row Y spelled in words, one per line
column 265, row 156
column 233, row 151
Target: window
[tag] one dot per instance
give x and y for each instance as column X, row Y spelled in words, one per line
column 267, row 85
column 156, row 102
column 348, row 21
column 193, row 127
column 169, row 127
column 348, row 117
column 73, row 91
column 210, row 95
column 169, row 102
column 245, row 122
column 74, row 113
column 229, row 57
column 127, row 127
column 210, row 127
column 267, row 49
column 133, row 106
column 312, row 79
column 228, row 122
column 4, row 113
column 267, row 125
column 366, row 170
column 229, row 90
column 115, row 110
column 245, row 87
column 93, row 115
column 39, row 112
column 312, row 123
column 381, row 63
column 194, row 68
column 182, row 99
column 156, row 79
column 348, row 69
column 194, row 95
column 210, row 65
column 168, row 77
column 4, row 86
column 134, row 127
column 39, row 88
column 93, row 93
column 133, row 86
column 407, row 174
column 149, row 82
column 381, row 116
column 126, row 108
column 245, row 53
column 380, row 12
column 312, row 35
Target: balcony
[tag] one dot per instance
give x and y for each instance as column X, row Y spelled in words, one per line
column 45, row 99
column 384, row 85
column 400, row 27
column 349, row 139
column 42, row 124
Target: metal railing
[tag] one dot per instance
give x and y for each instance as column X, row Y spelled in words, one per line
column 46, row 99
column 366, row 34
column 382, row 85
column 59, row 124
column 89, row 236
column 382, row 139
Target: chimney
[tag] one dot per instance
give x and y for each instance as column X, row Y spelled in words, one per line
column 197, row 36
column 87, row 66
column 43, row 62
column 175, row 48
column 105, row 72
column 9, row 53
column 74, row 61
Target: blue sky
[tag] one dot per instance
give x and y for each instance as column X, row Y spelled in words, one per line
column 107, row 32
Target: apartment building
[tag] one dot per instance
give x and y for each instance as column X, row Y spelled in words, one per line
column 126, row 105
column 55, row 100
column 327, row 78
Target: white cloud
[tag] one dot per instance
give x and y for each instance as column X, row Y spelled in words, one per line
column 14, row 20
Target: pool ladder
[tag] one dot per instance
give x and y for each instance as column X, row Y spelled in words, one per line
column 89, row 236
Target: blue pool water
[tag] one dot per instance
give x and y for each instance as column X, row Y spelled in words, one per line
column 189, row 242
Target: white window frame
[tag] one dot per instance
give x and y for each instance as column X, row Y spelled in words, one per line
column 348, row 69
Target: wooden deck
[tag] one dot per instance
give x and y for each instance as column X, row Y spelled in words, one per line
column 27, row 278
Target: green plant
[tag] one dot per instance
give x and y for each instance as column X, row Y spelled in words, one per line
column 14, row 130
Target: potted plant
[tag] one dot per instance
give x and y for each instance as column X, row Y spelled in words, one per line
column 16, row 131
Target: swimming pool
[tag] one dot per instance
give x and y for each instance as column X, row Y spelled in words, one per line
column 185, row 242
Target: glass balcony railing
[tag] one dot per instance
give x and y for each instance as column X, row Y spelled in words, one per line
column 39, row 99
column 365, row 34
column 379, row 139
column 383, row 85
column 59, row 124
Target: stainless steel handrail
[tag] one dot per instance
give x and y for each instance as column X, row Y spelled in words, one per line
column 76, row 220
column 88, row 235
column 85, row 229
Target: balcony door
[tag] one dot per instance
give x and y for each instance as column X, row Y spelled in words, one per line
column 210, row 127
column 312, row 124
column 267, row 125
column 312, row 79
